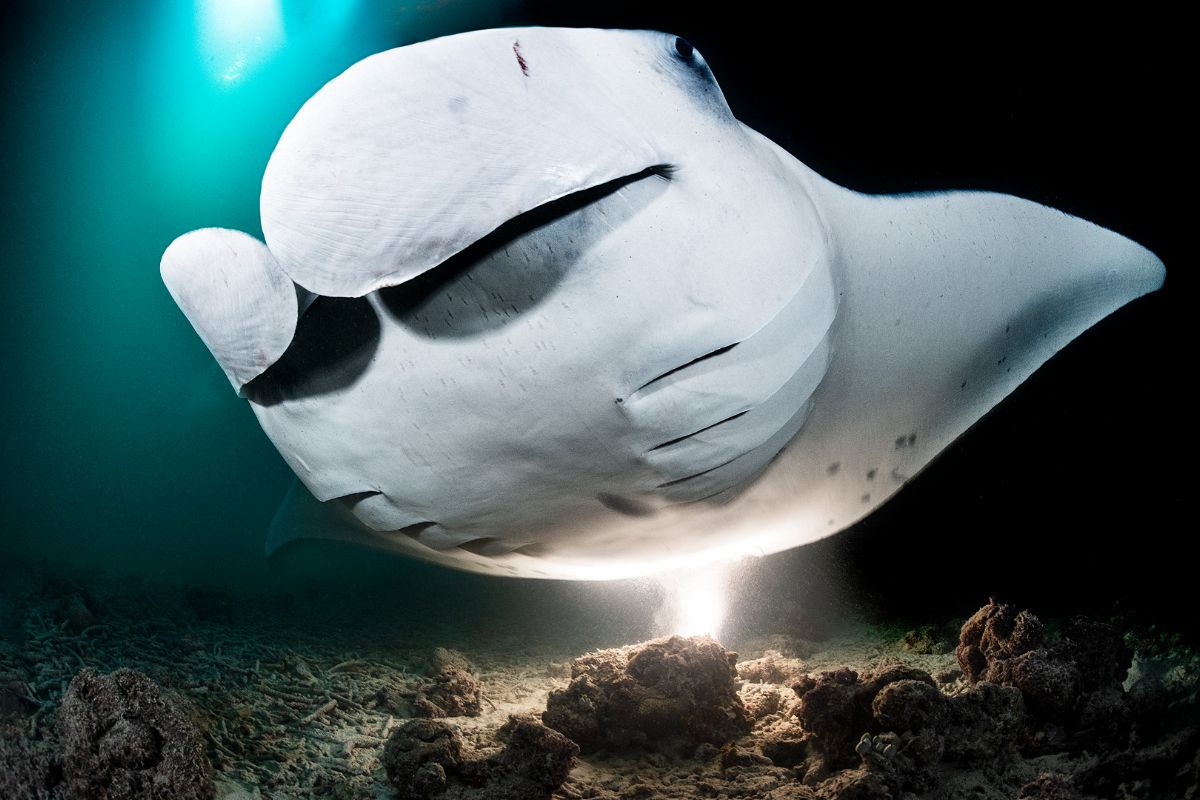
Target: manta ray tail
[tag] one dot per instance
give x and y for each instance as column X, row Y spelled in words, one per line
column 947, row 303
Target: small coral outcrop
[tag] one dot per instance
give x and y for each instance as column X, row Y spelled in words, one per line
column 124, row 738
column 666, row 694
column 454, row 689
column 1061, row 682
column 426, row 758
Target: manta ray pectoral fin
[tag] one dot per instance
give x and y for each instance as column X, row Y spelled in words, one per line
column 232, row 290
column 301, row 516
column 948, row 302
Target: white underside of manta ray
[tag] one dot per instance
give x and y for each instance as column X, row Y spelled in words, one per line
column 533, row 302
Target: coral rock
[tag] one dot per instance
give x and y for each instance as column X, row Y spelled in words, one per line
column 908, row 705
column 1057, row 680
column 930, row 639
column 831, row 709
column 124, row 738
column 734, row 756
column 857, row 784
column 536, row 760
column 985, row 724
column 996, row 632
column 772, row 667
column 417, row 756
column 428, row 758
column 1050, row 684
column 455, row 691
column 837, row 707
column 28, row 770
column 785, row 748
column 763, row 700
column 670, row 693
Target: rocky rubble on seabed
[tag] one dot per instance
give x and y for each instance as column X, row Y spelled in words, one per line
column 1011, row 713
column 125, row 701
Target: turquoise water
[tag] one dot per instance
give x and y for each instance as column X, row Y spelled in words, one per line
column 123, row 129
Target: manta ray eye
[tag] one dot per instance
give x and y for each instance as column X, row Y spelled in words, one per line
column 684, row 48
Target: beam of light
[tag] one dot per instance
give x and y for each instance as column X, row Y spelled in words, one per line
column 695, row 601
column 752, row 538
column 238, row 35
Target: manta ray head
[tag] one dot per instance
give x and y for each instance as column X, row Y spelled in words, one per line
column 413, row 154
column 580, row 316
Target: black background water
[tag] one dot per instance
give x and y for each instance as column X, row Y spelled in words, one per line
column 123, row 448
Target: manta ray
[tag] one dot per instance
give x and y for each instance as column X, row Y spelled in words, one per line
column 533, row 302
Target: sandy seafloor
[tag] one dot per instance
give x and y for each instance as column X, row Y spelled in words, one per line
column 291, row 694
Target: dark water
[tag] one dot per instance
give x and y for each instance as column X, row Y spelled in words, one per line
column 125, row 451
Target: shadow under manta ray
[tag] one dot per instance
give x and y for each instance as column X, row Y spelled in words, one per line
column 602, row 327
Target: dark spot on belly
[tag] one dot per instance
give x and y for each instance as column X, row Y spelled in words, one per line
column 623, row 505
column 520, row 59
column 833, row 468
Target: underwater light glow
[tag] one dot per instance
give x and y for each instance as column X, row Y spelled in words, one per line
column 695, row 600
column 238, row 35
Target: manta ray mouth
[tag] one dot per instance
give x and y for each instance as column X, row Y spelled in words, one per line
column 511, row 269
column 541, row 215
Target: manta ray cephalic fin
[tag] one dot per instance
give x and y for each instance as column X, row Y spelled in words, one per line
column 240, row 302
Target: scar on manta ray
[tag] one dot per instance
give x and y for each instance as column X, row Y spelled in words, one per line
column 520, row 58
